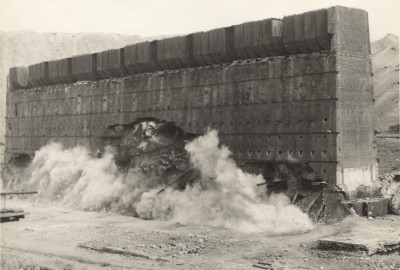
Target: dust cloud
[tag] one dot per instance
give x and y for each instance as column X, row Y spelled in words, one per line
column 225, row 195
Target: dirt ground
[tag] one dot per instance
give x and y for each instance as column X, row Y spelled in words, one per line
column 52, row 237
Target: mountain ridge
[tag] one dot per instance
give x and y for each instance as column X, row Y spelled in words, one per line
column 385, row 68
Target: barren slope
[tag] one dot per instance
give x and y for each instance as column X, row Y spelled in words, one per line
column 385, row 64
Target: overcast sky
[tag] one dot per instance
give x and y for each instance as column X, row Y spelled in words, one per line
column 169, row 17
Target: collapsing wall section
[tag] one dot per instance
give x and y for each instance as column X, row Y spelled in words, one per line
column 309, row 102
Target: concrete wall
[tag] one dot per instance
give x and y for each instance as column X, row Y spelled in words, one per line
column 307, row 98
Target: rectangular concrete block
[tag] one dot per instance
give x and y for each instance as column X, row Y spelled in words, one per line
column 84, row 67
column 186, row 51
column 177, row 63
column 102, row 65
column 222, row 45
column 248, row 40
column 253, row 39
column 377, row 207
column 147, row 56
column 272, row 37
column 141, row 57
column 321, row 29
column 60, row 71
column 130, row 56
column 310, row 24
column 197, row 54
column 201, row 48
column 299, row 33
column 116, row 64
column 239, row 41
column 170, row 61
column 19, row 77
column 288, row 36
column 258, row 39
column 172, row 53
column 39, row 74
column 350, row 31
column 162, row 59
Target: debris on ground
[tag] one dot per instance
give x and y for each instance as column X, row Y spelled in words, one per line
column 154, row 146
column 390, row 189
column 374, row 237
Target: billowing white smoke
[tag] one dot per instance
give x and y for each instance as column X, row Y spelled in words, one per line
column 226, row 196
column 74, row 178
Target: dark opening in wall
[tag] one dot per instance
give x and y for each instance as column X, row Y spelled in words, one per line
column 313, row 153
column 21, row 160
column 325, row 119
column 300, row 153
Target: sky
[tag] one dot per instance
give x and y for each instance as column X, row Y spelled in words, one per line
column 174, row 17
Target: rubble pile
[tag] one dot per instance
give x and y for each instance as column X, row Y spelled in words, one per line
column 322, row 202
column 390, row 189
column 154, row 146
column 157, row 148
column 161, row 245
column 16, row 172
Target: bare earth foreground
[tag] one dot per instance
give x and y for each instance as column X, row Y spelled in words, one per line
column 53, row 237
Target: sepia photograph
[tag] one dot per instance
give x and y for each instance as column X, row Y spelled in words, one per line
column 199, row 134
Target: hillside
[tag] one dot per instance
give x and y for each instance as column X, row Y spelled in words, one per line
column 385, row 65
column 22, row 48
